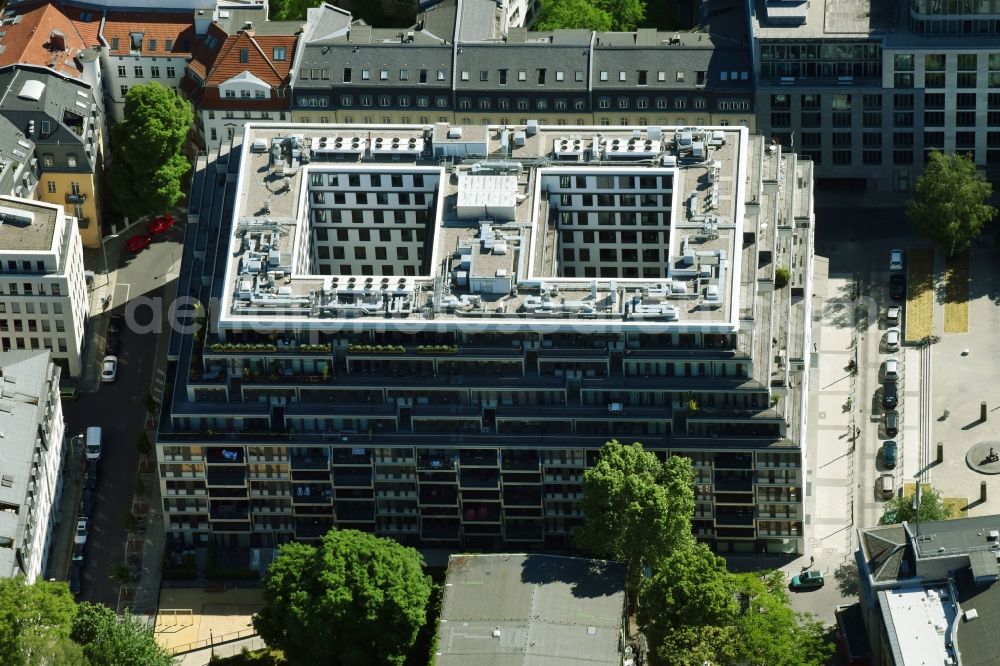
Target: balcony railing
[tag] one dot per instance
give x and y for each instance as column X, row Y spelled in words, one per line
column 76, row 197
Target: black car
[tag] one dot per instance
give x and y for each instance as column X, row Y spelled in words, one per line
column 116, row 325
column 890, row 397
column 75, row 574
column 897, row 286
column 112, row 345
column 889, row 448
column 87, row 504
column 92, row 476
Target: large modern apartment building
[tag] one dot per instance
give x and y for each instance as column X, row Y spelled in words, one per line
column 32, row 450
column 867, row 91
column 43, row 292
column 429, row 332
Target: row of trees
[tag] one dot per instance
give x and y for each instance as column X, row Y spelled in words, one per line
column 638, row 510
column 41, row 625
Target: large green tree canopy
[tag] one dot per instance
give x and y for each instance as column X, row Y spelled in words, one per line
column 599, row 15
column 949, row 204
column 108, row 640
column 636, row 509
column 32, row 617
column 355, row 599
column 148, row 165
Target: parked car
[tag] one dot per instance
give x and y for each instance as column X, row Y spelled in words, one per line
column 889, row 453
column 75, row 576
column 93, row 444
column 896, row 260
column 161, row 224
column 886, row 486
column 890, row 396
column 91, row 476
column 892, row 423
column 897, row 286
column 892, row 339
column 87, row 503
column 81, row 530
column 68, row 393
column 78, row 552
column 116, row 324
column 109, row 369
column 137, row 244
column 891, row 369
column 112, row 345
column 893, row 314
column 808, row 580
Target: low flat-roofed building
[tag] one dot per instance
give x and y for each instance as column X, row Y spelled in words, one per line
column 32, row 447
column 929, row 592
column 543, row 610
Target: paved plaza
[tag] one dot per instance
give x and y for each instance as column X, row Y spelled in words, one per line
column 966, row 367
column 193, row 617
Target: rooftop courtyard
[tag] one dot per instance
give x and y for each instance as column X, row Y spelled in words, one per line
column 525, row 225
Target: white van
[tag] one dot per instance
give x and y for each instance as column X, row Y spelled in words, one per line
column 93, row 443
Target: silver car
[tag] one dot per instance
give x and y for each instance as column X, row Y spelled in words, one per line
column 109, row 369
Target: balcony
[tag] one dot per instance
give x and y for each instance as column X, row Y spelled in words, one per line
column 314, row 460
column 225, row 455
column 355, row 511
column 352, row 478
column 435, row 495
column 311, row 528
column 480, row 513
column 230, row 511
column 480, row 458
column 311, row 493
column 520, row 461
column 522, row 496
column 479, row 478
column 523, row 530
column 76, row 198
column 226, row 476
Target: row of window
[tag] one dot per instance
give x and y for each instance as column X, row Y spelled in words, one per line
column 611, row 255
column 370, row 216
column 361, row 253
column 368, row 269
column 651, row 239
column 372, row 199
column 323, row 235
column 539, row 75
column 151, row 45
column 138, row 72
column 966, row 65
column 33, row 343
column 245, row 94
column 396, row 180
column 905, row 156
column 31, row 326
column 30, row 307
column 28, row 289
column 523, row 120
column 520, row 103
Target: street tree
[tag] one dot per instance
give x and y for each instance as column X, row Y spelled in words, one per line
column 769, row 632
column 949, row 204
column 148, row 163
column 354, row 599
column 636, row 509
column 291, row 10
column 626, row 15
column 108, row 640
column 690, row 590
column 579, row 14
column 903, row 508
column 32, row 617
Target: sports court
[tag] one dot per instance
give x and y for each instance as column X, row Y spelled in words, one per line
column 194, row 617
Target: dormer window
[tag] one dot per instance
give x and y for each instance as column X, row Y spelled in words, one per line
column 71, row 160
column 152, row 45
column 279, row 52
column 169, row 45
column 115, row 43
column 230, row 93
column 135, row 41
column 244, row 55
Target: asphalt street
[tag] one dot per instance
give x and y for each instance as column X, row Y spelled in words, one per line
column 119, row 410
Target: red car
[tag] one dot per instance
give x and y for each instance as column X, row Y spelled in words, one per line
column 138, row 243
column 161, row 224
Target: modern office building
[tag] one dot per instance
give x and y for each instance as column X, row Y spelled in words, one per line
column 929, row 591
column 43, row 292
column 31, row 450
column 867, row 94
column 429, row 333
column 468, row 63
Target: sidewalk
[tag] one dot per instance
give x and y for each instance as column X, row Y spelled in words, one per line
column 64, row 528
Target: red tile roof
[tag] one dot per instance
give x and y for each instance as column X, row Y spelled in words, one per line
column 206, row 50
column 87, row 23
column 259, row 58
column 29, row 41
column 174, row 27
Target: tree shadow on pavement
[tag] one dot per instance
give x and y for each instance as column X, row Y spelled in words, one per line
column 847, row 579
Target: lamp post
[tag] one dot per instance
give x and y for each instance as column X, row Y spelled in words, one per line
column 104, row 251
